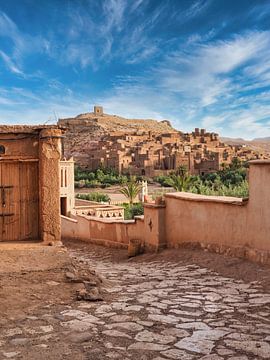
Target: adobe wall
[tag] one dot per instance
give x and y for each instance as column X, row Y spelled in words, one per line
column 102, row 232
column 222, row 224
column 20, row 145
column 197, row 218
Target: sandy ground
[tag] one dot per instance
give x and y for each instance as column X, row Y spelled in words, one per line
column 179, row 304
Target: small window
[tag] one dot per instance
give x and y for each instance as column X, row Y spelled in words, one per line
column 2, row 150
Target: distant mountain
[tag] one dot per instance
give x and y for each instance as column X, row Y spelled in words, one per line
column 265, row 139
column 233, row 141
column 258, row 144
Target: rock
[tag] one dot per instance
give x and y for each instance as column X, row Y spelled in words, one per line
column 131, row 326
column 78, row 325
column 52, row 283
column 149, row 336
column 145, row 323
column 257, row 348
column 43, row 346
column 70, row 276
column 46, row 328
column 177, row 354
column 14, row 331
column 103, row 309
column 80, row 337
column 89, row 295
column 121, row 318
column 10, row 355
column 175, row 332
column 116, row 333
column 165, row 319
column 19, row 341
column 194, row 345
column 147, row 346
column 196, row 325
column 201, row 341
column 212, row 357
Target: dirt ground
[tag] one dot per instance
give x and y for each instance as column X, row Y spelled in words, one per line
column 34, row 295
column 25, row 275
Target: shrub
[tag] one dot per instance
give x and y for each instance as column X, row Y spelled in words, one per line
column 132, row 210
column 94, row 196
column 98, row 178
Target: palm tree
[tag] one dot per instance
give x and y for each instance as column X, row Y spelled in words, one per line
column 181, row 180
column 131, row 189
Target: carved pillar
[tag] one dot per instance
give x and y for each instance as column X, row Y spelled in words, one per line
column 49, row 185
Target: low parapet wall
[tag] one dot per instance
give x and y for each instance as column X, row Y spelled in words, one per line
column 103, row 232
column 238, row 227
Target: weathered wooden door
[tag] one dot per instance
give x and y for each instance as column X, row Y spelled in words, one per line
column 18, row 201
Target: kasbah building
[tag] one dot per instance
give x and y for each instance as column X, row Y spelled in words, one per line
column 150, row 153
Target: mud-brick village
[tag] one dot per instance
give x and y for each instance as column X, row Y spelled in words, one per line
column 134, row 180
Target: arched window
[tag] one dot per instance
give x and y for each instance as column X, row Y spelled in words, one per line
column 2, row 150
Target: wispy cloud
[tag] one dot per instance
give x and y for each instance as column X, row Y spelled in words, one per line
column 21, row 45
column 201, row 78
column 196, row 8
column 205, row 71
column 10, row 64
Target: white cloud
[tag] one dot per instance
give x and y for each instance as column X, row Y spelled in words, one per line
column 10, row 64
column 204, row 71
column 21, row 45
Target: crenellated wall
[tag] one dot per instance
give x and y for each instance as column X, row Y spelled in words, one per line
column 237, row 227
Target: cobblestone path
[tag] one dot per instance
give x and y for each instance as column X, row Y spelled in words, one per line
column 155, row 310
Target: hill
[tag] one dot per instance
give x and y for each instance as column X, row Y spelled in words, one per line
column 85, row 130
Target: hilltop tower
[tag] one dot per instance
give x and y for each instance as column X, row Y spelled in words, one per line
column 98, row 110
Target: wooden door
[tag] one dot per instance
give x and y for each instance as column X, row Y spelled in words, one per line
column 18, row 201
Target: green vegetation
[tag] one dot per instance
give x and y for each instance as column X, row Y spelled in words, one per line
column 180, row 180
column 100, row 178
column 132, row 210
column 95, row 196
column 131, row 189
column 230, row 181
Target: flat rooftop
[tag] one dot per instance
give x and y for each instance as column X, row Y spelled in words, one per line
column 26, row 129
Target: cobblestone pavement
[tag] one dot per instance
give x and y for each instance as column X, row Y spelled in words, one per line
column 154, row 310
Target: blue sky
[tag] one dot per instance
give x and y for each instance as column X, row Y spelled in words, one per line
column 201, row 63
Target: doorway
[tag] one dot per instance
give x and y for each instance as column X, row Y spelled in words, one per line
column 63, row 205
column 19, row 201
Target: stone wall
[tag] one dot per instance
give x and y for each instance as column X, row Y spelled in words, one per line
column 238, row 227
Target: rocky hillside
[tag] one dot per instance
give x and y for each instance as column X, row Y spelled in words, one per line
column 85, row 130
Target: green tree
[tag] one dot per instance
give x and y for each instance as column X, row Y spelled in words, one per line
column 181, row 179
column 131, row 189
